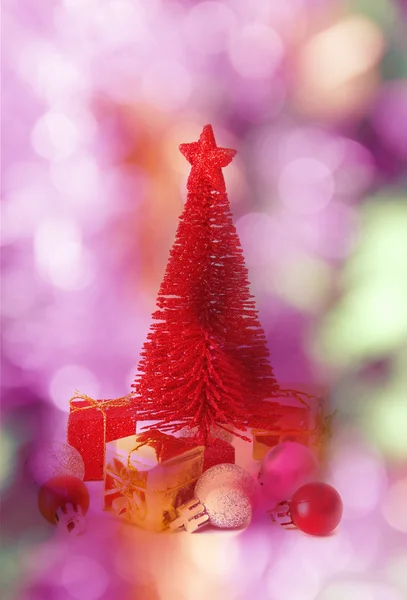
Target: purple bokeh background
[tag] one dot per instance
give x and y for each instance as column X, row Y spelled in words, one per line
column 97, row 96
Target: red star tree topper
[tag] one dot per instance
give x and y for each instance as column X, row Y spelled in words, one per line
column 205, row 361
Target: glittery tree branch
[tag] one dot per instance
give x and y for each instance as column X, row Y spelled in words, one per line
column 205, row 361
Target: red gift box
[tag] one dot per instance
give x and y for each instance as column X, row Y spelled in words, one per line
column 300, row 417
column 92, row 423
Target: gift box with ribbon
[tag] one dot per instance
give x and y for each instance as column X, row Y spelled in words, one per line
column 301, row 417
column 92, row 423
column 148, row 476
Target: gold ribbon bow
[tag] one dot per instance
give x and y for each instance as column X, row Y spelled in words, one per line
column 129, row 501
column 100, row 405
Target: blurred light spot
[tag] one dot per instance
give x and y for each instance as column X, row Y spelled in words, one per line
column 59, row 80
column 60, row 255
column 19, row 293
column 384, row 241
column 68, row 379
column 335, row 66
column 7, row 458
column 194, row 587
column 52, row 75
column 389, row 112
column 394, row 507
column 312, row 142
column 330, row 233
column 396, row 569
column 127, row 567
column 306, row 185
column 360, row 477
column 208, row 25
column 19, row 172
column 55, row 136
column 359, row 590
column 119, row 22
column 84, row 578
column 167, row 85
column 362, row 547
column 356, row 171
column 216, row 557
column 256, row 51
column 332, row 554
column 371, row 319
column 361, row 328
column 263, row 102
column 304, row 586
column 386, row 419
column 304, row 282
column 77, row 176
column 22, row 210
column 353, row 45
column 256, row 562
column 78, row 5
column 261, row 238
column 45, row 559
column 22, row 342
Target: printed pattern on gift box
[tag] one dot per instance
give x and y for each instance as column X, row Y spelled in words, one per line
column 301, row 418
column 292, row 425
column 148, row 476
column 92, row 423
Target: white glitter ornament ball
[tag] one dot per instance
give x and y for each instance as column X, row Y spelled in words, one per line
column 285, row 468
column 228, row 508
column 226, row 476
column 55, row 458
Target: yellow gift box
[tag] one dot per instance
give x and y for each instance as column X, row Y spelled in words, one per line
column 148, row 476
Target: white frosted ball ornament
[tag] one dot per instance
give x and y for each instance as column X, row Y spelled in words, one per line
column 226, row 475
column 225, row 496
column 52, row 459
column 229, row 494
column 229, row 508
column 285, row 468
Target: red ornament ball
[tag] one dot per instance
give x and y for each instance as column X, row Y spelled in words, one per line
column 316, row 508
column 60, row 491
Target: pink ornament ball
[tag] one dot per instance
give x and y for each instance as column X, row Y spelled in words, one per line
column 284, row 469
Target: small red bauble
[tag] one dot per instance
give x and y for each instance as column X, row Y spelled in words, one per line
column 64, row 500
column 316, row 508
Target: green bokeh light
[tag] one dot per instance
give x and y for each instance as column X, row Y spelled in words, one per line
column 371, row 319
column 304, row 282
column 386, row 416
column 7, row 458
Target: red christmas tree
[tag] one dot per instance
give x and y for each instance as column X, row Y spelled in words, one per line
column 205, row 361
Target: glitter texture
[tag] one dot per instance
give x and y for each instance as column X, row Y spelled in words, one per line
column 92, row 423
column 228, row 508
column 225, row 475
column 218, row 452
column 224, row 497
column 53, row 459
column 205, row 362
